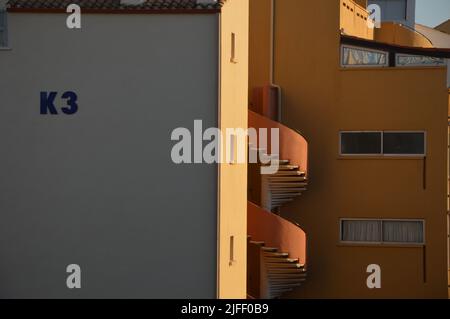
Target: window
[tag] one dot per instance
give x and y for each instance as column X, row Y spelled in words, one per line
column 417, row 60
column 361, row 231
column 388, row 143
column 382, row 231
column 398, row 143
column 3, row 29
column 409, row 232
column 361, row 143
column 233, row 48
column 352, row 56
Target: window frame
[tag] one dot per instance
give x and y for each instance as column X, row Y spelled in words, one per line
column 382, row 221
column 382, row 154
column 349, row 66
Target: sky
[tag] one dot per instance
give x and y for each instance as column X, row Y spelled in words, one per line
column 432, row 12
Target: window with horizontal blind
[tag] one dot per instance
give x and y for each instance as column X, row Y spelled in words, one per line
column 3, row 29
column 382, row 231
column 383, row 143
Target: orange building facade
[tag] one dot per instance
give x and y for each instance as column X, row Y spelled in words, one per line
column 372, row 105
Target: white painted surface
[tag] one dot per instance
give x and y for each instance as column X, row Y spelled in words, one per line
column 98, row 188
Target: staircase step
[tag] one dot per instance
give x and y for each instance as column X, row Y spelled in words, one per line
column 278, row 293
column 275, row 295
column 288, row 173
column 283, row 185
column 276, row 255
column 286, row 265
column 284, row 281
column 279, row 162
column 286, row 271
column 287, row 276
column 288, row 189
column 278, row 179
column 281, row 201
column 269, row 249
column 258, row 243
column 291, row 285
column 288, row 167
column 283, row 196
column 281, row 260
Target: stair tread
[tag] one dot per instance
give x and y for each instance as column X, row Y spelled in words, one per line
column 286, row 270
column 259, row 243
column 287, row 184
column 292, row 280
column 289, row 173
column 286, row 276
column 270, row 249
column 284, row 200
column 289, row 189
column 286, row 265
column 278, row 293
column 282, row 260
column 288, row 167
column 286, row 281
column 279, row 162
column 288, row 285
column 284, row 195
column 276, row 255
column 285, row 178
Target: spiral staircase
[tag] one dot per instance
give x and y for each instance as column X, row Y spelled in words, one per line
column 276, row 246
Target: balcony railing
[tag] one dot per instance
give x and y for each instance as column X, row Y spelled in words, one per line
column 401, row 34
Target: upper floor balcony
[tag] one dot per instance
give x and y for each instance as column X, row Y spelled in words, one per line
column 388, row 44
column 355, row 20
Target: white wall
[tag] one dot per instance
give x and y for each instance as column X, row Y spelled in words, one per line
column 98, row 188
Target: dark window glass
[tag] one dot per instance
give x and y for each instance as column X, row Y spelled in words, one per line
column 404, row 143
column 361, row 143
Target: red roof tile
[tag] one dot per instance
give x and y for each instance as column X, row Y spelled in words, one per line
column 114, row 5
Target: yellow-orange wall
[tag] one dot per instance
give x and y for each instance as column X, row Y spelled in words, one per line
column 233, row 178
column 320, row 99
column 259, row 42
